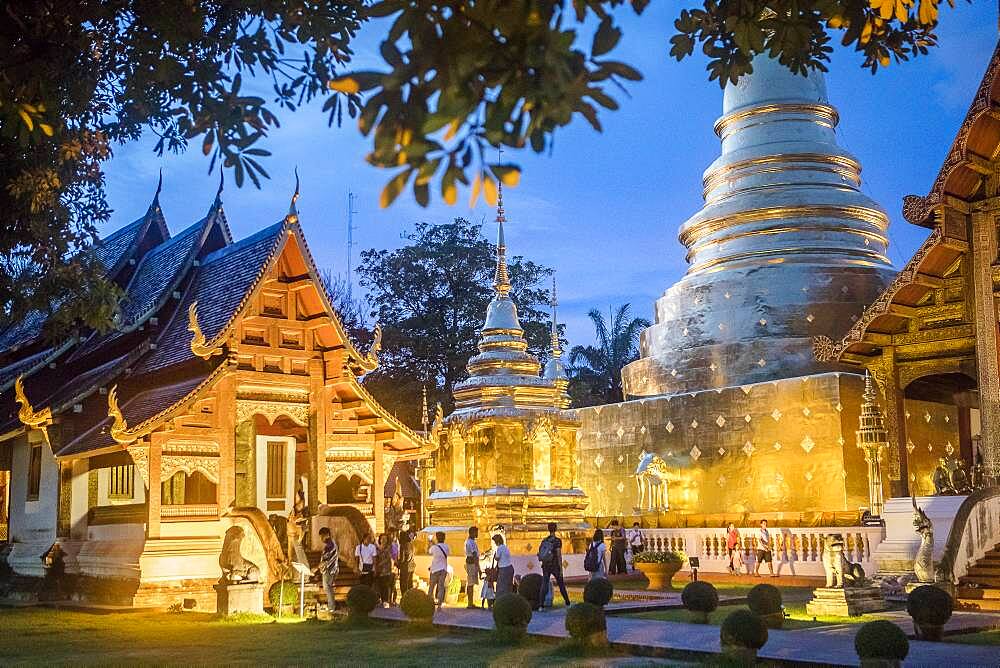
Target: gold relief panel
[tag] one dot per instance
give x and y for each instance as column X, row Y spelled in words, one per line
column 272, row 410
column 140, row 457
column 932, row 432
column 189, row 464
column 364, row 470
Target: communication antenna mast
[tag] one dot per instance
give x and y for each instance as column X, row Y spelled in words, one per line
column 351, row 199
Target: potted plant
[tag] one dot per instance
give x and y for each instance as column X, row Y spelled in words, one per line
column 742, row 634
column 701, row 598
column 881, row 644
column 930, row 607
column 659, row 567
column 283, row 597
column 764, row 600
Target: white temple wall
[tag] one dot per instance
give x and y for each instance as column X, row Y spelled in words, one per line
column 32, row 520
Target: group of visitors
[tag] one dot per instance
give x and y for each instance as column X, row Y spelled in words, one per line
column 379, row 563
column 623, row 543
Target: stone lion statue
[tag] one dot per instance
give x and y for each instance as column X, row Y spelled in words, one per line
column 840, row 572
column 236, row 568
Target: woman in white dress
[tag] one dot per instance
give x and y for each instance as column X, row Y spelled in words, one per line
column 504, row 565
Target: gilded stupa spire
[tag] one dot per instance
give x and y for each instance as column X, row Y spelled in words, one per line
column 501, row 279
column 871, row 423
column 554, row 336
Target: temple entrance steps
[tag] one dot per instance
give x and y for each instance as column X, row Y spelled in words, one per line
column 980, row 588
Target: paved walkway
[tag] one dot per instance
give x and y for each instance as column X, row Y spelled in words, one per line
column 833, row 645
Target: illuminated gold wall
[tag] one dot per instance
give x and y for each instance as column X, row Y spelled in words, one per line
column 931, row 433
column 782, row 446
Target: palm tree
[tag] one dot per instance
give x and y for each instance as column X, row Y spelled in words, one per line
column 597, row 370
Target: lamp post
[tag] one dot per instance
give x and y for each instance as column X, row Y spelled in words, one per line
column 872, row 438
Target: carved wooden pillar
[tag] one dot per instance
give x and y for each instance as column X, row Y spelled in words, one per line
column 226, row 489
column 319, row 398
column 887, row 377
column 984, row 254
column 153, row 500
column 244, row 465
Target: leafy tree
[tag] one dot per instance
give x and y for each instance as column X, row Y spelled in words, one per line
column 459, row 76
column 430, row 297
column 596, row 371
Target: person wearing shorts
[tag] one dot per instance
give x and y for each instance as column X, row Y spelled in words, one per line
column 764, row 549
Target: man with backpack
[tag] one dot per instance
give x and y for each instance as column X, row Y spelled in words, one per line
column 550, row 557
column 329, row 566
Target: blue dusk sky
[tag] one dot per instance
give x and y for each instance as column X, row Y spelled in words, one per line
column 603, row 209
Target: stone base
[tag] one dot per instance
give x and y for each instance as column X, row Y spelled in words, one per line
column 947, row 587
column 232, row 599
column 837, row 602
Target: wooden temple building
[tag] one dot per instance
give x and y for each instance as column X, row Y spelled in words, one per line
column 228, row 393
column 931, row 337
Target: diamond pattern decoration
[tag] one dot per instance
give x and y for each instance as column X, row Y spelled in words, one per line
column 713, row 366
column 761, row 362
column 721, row 421
column 840, row 440
column 642, row 430
column 747, row 418
column 695, row 453
column 808, row 444
column 598, row 460
column 620, row 487
column 727, row 295
column 777, row 445
column 776, row 414
column 721, row 327
column 600, row 487
column 620, row 432
column 930, row 448
column 778, row 478
column 621, row 459
column 746, row 389
column 763, row 323
column 810, row 317
column 910, row 447
column 748, row 448
column 947, row 419
column 949, row 448
column 809, row 475
column 927, row 417
column 673, row 372
column 806, row 411
column 839, row 407
column 685, row 332
column 722, row 452
column 669, row 427
column 721, row 481
column 694, row 424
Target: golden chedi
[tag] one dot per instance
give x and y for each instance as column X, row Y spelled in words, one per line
column 507, row 454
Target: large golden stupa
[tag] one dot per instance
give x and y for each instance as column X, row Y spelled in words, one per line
column 507, row 454
column 729, row 409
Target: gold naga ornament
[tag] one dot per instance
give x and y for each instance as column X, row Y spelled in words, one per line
column 198, row 342
column 29, row 417
column 370, row 360
column 119, row 428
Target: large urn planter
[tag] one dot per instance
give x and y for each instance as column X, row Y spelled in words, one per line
column 659, row 567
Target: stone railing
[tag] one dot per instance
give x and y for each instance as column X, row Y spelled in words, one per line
column 975, row 531
column 795, row 551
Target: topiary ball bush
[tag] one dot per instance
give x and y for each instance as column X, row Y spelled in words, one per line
column 882, row 641
column 417, row 605
column 361, row 600
column 511, row 614
column 586, row 624
column 701, row 598
column 764, row 600
column 598, row 592
column 929, row 605
column 743, row 629
column 283, row 593
column 531, row 589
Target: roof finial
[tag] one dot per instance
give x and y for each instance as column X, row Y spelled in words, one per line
column 155, row 204
column 556, row 350
column 501, row 280
column 424, row 417
column 293, row 211
column 222, row 181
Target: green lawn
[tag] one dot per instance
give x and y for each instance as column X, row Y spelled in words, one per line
column 797, row 617
column 982, row 638
column 42, row 636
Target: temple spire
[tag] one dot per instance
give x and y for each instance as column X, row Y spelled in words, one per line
column 556, row 350
column 424, row 417
column 155, row 204
column 293, row 210
column 501, row 280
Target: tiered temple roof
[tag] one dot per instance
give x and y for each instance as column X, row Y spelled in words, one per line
column 149, row 355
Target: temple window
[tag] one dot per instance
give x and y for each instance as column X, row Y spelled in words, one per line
column 183, row 489
column 273, row 304
column 276, row 469
column 121, row 482
column 34, row 471
column 254, row 336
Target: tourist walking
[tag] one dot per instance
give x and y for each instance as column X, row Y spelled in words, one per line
column 764, row 549
column 619, row 543
column 405, row 561
column 394, row 569
column 635, row 539
column 593, row 561
column 504, row 565
column 329, row 566
column 734, row 548
column 365, row 554
column 471, row 567
column 439, row 569
column 550, row 557
column 383, row 570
